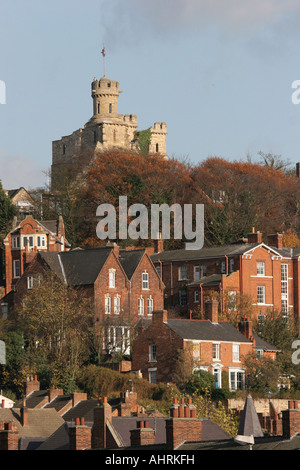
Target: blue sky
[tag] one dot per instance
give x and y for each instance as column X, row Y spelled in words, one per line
column 219, row 73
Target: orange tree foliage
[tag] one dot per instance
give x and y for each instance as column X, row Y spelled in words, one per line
column 237, row 195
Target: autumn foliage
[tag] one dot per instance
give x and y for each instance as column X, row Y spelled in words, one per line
column 237, row 195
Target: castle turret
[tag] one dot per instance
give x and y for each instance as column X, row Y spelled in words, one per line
column 105, row 94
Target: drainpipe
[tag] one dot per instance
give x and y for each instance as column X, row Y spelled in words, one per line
column 201, row 298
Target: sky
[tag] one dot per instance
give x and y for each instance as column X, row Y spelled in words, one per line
column 218, row 72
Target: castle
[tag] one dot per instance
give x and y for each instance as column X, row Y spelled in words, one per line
column 105, row 130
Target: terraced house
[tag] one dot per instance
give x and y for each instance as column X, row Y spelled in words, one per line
column 267, row 272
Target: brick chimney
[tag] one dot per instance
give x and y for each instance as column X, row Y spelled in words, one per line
column 128, row 403
column 102, row 414
column 183, row 425
column 80, row 435
column 142, row 435
column 291, row 420
column 9, row 436
column 298, row 170
column 211, row 310
column 159, row 317
column 245, row 327
column 32, row 385
column 254, row 237
column 55, row 392
column 275, row 240
column 77, row 397
column 158, row 245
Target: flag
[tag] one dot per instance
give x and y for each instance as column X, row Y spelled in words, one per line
column 103, row 52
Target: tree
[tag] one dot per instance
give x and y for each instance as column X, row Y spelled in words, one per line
column 7, row 213
column 57, row 323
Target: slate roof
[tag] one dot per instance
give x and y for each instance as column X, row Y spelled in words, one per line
column 130, row 260
column 219, row 251
column 206, row 330
column 262, row 344
column 82, row 267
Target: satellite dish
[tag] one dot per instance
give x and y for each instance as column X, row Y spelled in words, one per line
column 244, row 440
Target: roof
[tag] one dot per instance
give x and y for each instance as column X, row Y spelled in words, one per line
column 130, row 260
column 262, row 344
column 41, row 422
column 78, row 267
column 249, row 422
column 234, row 249
column 205, row 252
column 206, row 330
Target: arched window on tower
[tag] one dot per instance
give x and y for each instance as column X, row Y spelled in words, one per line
column 156, row 147
column 110, row 107
column 98, row 108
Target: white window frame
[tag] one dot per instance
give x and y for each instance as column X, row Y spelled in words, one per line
column 4, row 310
column 284, row 289
column 15, row 242
column 149, row 306
column 107, row 303
column 16, row 268
column 235, row 352
column 197, row 273
column 141, row 306
column 216, row 351
column 152, row 353
column 261, row 295
column 223, row 267
column 112, row 278
column 152, row 375
column 117, row 305
column 183, row 273
column 145, row 281
column 260, row 268
column 196, row 350
column 233, row 379
column 196, row 297
column 29, row 282
column 183, row 297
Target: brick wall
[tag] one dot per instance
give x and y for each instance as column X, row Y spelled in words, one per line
column 80, row 435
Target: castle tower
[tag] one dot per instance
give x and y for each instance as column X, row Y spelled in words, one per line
column 105, row 95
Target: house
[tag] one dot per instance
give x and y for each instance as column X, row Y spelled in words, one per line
column 25, row 240
column 123, row 286
column 266, row 272
column 217, row 347
column 22, row 200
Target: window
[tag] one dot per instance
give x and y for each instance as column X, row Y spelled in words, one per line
column 196, row 273
column 4, row 311
column 183, row 299
column 98, row 108
column 259, row 354
column 216, row 351
column 112, row 278
column 237, row 380
column 235, row 352
column 152, row 375
column 149, row 306
column 261, row 295
column 231, row 265
column 223, row 267
column 145, row 280
column 16, row 268
column 196, row 296
column 117, row 339
column 29, row 282
column 110, row 107
column 107, row 305
column 196, row 351
column 232, row 300
column 156, row 147
column 15, row 241
column 152, row 352
column 141, row 306
column 203, row 270
column 158, row 269
column 117, row 304
column 260, row 268
column 183, row 273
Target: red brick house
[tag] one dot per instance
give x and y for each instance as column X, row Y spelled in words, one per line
column 267, row 273
column 26, row 239
column 210, row 345
column 123, row 285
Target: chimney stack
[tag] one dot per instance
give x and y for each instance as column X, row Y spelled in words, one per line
column 254, row 237
column 291, row 420
column 159, row 317
column 183, row 425
column 24, row 414
column 80, row 435
column 212, row 310
column 275, row 240
column 245, row 327
column 142, row 435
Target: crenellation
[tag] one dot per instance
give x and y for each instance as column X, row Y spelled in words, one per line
column 106, row 129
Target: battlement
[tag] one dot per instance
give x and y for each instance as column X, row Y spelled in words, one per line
column 130, row 118
column 105, row 86
column 159, row 127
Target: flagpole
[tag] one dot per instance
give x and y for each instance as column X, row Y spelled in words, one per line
column 103, row 54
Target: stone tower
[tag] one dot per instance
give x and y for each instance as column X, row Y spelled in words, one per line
column 105, row 130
